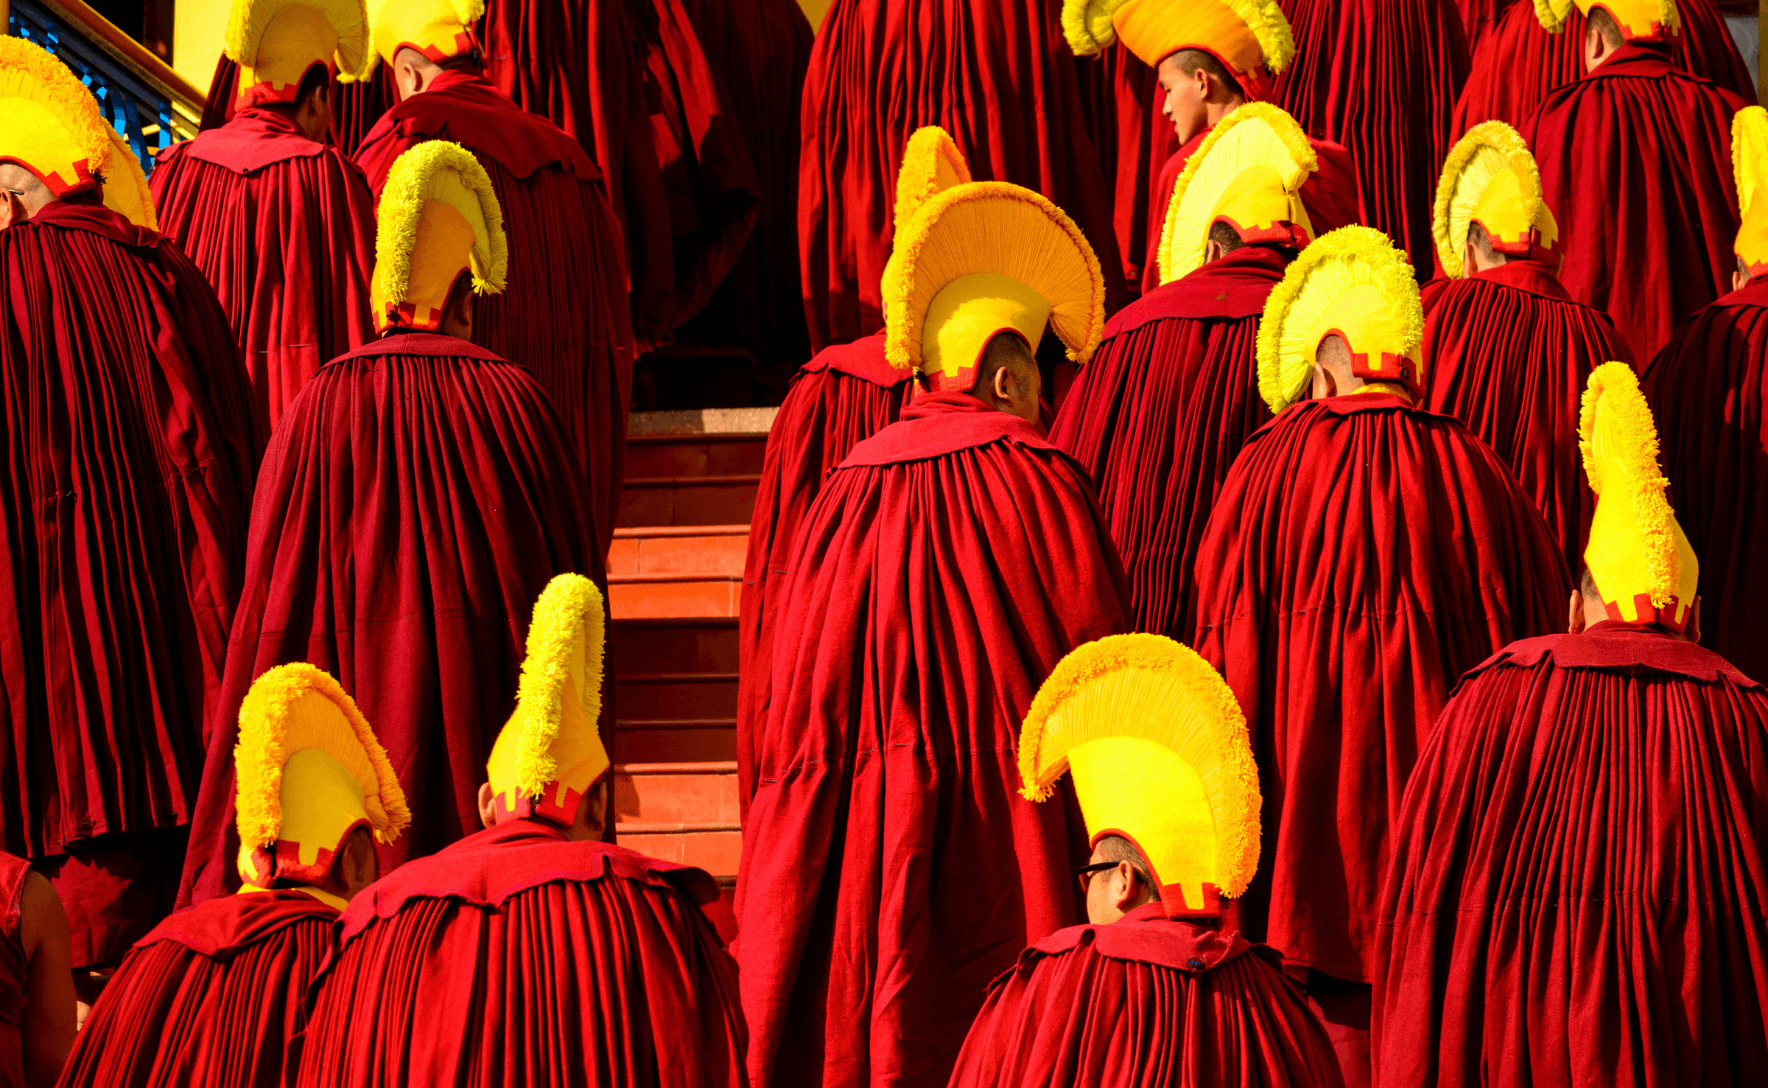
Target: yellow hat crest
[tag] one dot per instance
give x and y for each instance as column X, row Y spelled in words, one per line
column 52, row 127
column 1490, row 178
column 1248, row 172
column 438, row 218
column 438, row 29
column 1638, row 556
column 1251, row 38
column 1749, row 160
column 931, row 164
column 125, row 186
column 309, row 771
column 550, row 752
column 1351, row 283
column 275, row 42
column 1640, row 20
column 1159, row 752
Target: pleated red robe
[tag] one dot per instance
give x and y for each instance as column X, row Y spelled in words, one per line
column 210, row 997
column 284, row 229
column 516, row 957
column 561, row 315
column 1577, row 882
column 1507, row 353
column 948, row 564
column 1635, row 162
column 1708, row 390
column 416, row 499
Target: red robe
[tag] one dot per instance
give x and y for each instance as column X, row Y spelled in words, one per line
column 1706, row 389
column 517, row 957
column 126, row 463
column 210, row 997
column 415, row 501
column 1122, row 99
column 1507, row 353
column 1158, row 415
column 355, row 106
column 1145, row 1001
column 15, row 970
column 284, row 229
column 560, row 315
column 1635, row 162
column 1577, row 882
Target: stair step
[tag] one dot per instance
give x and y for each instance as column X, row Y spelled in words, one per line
column 676, row 696
column 669, row 596
column 677, row 740
column 679, row 549
column 676, row 796
column 716, row 851
column 688, row 500
column 691, row 644
column 694, row 454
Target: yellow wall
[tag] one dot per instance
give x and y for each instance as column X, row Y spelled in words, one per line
column 198, row 28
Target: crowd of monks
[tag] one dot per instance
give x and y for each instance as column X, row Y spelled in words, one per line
column 1176, row 647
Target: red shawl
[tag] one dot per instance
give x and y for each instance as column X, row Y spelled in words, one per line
column 355, row 106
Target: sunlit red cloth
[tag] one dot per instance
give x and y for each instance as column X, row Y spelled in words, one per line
column 1121, row 98
column 1577, row 882
column 948, row 564
column 15, row 968
column 1507, row 353
column 516, row 957
column 212, row 996
column 416, row 499
column 355, row 106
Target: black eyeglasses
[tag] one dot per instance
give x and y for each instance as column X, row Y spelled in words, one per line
column 1084, row 873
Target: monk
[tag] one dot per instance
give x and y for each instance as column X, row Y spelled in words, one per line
column 561, row 317
column 37, row 1003
column 531, row 952
column 946, row 566
column 1634, row 162
column 213, row 995
column 1506, row 351
column 1362, row 553
column 128, row 461
column 416, row 487
column 281, row 223
column 1153, row 989
column 1576, row 887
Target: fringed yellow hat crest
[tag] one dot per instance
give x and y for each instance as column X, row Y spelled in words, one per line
column 275, row 42
column 1251, row 38
column 309, row 771
column 1490, row 178
column 438, row 29
column 1351, row 283
column 1249, row 173
column 52, row 126
column 438, row 218
column 931, row 164
column 1159, row 752
column 1749, row 160
column 983, row 258
column 1640, row 20
column 125, row 186
column 1638, row 556
column 550, row 751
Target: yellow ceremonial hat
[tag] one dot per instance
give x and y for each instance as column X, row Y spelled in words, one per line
column 1491, row 179
column 1251, row 38
column 1638, row 556
column 275, row 43
column 1351, row 283
column 125, row 185
column 52, row 125
column 550, row 751
column 438, row 217
column 438, row 29
column 1159, row 753
column 309, row 772
column 1639, row 20
column 931, row 164
column 1249, row 173
column 982, row 258
column 1749, row 159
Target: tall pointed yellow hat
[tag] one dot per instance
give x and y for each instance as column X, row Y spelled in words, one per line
column 1640, row 20
column 309, row 771
column 1251, row 38
column 550, row 751
column 439, row 29
column 1159, row 753
column 275, row 42
column 52, row 125
column 125, row 184
column 438, row 217
column 931, row 164
column 1490, row 178
column 1749, row 159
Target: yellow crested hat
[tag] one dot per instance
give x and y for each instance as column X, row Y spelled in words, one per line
column 931, row 164
column 52, row 127
column 1159, row 753
column 1251, row 38
column 1248, row 172
column 1351, row 283
column 125, row 186
column 1749, row 160
column 550, row 751
column 309, row 771
column 1490, row 178
column 275, row 42
column 438, row 29
column 982, row 258
column 438, row 217
column 1638, row 556
column 1640, row 20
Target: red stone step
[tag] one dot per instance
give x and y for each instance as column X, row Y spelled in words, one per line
column 701, row 795
column 690, row 644
column 653, row 455
column 717, row 852
column 679, row 549
column 688, row 500
column 679, row 740
column 657, row 696
column 672, row 596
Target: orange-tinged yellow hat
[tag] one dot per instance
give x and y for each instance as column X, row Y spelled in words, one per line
column 931, row 164
column 275, row 42
column 125, row 185
column 1640, row 20
column 1638, row 556
column 1490, row 178
column 52, row 125
column 438, row 217
column 438, row 29
column 309, row 771
column 1248, row 172
column 1251, row 38
column 550, row 751
column 1749, row 160
column 1160, row 755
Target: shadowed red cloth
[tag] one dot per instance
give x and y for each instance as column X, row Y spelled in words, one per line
column 561, row 315
column 355, row 106
column 1145, row 1001
column 284, row 229
column 1507, row 353
column 947, row 566
column 415, row 501
column 1577, row 882
column 1635, row 162
column 843, row 396
column 1122, row 100
column 1158, row 415
column 15, row 970
column 210, row 997
column 1708, row 390
column 518, row 957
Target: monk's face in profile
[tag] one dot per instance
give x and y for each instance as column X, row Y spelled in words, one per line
column 1187, row 98
column 24, row 192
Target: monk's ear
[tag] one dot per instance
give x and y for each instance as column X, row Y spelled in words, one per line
column 487, row 802
column 1691, row 630
column 1574, row 623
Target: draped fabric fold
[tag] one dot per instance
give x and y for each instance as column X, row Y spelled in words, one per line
column 1122, row 100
